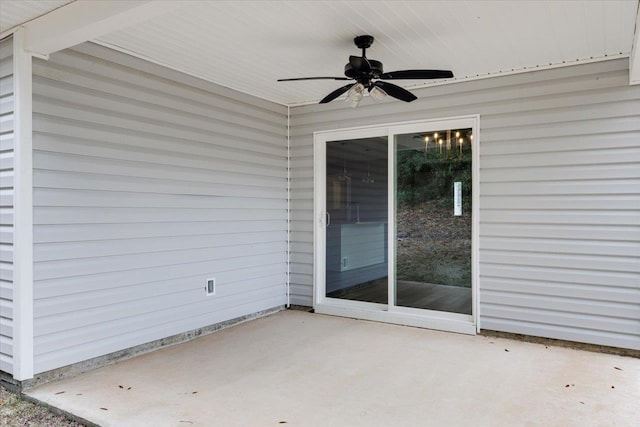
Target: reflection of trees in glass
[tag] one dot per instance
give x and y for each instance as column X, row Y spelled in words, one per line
column 429, row 176
column 433, row 245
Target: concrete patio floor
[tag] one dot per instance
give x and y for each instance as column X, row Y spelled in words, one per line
column 300, row 369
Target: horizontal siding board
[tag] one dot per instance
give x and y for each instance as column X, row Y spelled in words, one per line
column 6, row 289
column 6, row 309
column 6, row 59
column 560, row 145
column 562, row 202
column 6, row 195
column 6, row 344
column 60, row 197
column 6, row 141
column 100, row 248
column 6, row 216
column 620, row 170
column 6, row 85
column 231, row 270
column 207, row 156
column 6, row 160
column 6, row 179
column 6, row 253
column 97, row 182
column 6, row 110
column 574, row 232
column 626, row 264
column 99, row 215
column 6, row 327
column 616, row 218
column 146, row 183
column 527, row 285
column 88, row 232
column 583, row 247
column 554, row 274
column 6, row 271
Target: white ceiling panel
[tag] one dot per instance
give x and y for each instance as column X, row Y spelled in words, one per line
column 16, row 12
column 248, row 45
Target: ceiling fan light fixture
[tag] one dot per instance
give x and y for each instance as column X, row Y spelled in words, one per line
column 377, row 94
column 355, row 94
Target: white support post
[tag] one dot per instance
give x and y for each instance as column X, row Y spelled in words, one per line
column 22, row 212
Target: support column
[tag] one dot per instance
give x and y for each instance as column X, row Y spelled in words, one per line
column 23, row 211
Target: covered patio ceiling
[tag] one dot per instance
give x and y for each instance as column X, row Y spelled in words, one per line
column 248, row 45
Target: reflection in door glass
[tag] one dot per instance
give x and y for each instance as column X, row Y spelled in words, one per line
column 356, row 234
column 433, row 220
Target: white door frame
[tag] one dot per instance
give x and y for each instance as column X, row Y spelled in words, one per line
column 453, row 322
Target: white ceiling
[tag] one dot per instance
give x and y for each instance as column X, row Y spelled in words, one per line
column 18, row 12
column 248, row 45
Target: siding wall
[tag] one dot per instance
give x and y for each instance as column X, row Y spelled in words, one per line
column 6, row 205
column 146, row 183
column 559, row 190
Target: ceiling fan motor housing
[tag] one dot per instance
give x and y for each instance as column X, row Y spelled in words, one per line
column 376, row 71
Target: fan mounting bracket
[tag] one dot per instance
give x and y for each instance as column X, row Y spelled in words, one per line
column 363, row 42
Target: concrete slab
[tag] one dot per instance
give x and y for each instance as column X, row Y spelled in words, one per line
column 300, row 369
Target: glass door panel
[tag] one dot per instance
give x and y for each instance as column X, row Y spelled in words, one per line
column 433, row 209
column 357, row 211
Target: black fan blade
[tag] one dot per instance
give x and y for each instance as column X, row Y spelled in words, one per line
column 360, row 64
column 314, row 78
column 336, row 93
column 396, row 91
column 417, row 74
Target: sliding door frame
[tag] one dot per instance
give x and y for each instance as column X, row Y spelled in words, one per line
column 390, row 313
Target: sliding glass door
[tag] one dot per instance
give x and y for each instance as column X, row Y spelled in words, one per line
column 433, row 205
column 356, row 219
column 394, row 239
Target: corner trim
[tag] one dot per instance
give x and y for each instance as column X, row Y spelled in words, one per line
column 22, row 211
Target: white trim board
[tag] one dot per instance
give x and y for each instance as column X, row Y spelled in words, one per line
column 23, row 211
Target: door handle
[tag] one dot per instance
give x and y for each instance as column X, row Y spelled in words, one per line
column 328, row 219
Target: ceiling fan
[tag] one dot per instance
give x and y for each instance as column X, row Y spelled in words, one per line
column 369, row 75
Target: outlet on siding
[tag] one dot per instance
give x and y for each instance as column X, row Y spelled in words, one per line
column 211, row 286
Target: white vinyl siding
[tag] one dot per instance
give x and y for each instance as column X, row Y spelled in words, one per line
column 146, row 183
column 6, row 205
column 559, row 196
